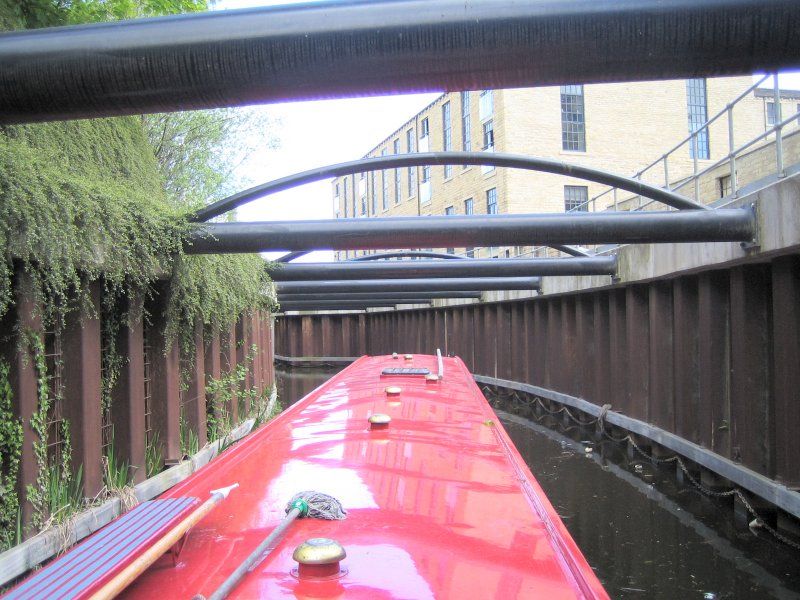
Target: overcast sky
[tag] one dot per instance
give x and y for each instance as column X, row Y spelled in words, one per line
column 314, row 134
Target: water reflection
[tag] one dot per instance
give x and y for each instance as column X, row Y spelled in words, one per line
column 645, row 536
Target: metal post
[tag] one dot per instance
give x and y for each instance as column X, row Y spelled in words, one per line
column 731, row 153
column 616, row 203
column 694, row 162
column 778, row 127
column 666, row 173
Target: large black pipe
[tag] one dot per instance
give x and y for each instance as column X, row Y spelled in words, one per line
column 340, row 49
column 396, row 296
column 496, row 159
column 408, row 285
column 346, row 304
column 734, row 224
column 415, row 269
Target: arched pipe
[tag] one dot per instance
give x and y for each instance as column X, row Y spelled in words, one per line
column 291, row 256
column 495, row 159
column 405, row 254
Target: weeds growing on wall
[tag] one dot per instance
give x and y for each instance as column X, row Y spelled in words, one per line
column 58, row 491
column 10, row 453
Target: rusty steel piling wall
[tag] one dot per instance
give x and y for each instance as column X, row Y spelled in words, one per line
column 148, row 396
column 712, row 356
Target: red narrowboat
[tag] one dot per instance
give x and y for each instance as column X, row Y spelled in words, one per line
column 438, row 502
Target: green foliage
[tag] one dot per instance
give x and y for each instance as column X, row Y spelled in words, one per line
column 228, row 389
column 79, row 200
column 153, row 457
column 198, row 151
column 116, row 473
column 189, row 441
column 57, row 493
column 92, row 11
column 10, row 453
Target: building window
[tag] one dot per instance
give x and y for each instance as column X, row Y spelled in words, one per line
column 344, row 182
column 486, row 105
column 412, row 171
column 488, row 136
column 771, row 114
column 426, row 174
column 397, row 175
column 466, row 128
column 468, row 206
column 447, row 137
column 724, row 186
column 362, row 193
column 697, row 108
column 425, row 127
column 576, row 197
column 470, row 252
column 491, row 201
column 573, row 120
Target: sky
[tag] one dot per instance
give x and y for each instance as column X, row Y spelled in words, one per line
column 319, row 133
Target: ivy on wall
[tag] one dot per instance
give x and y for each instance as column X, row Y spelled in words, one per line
column 10, row 454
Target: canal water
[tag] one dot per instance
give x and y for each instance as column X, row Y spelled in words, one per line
column 646, row 535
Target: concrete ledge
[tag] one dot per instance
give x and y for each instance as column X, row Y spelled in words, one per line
column 314, row 361
column 764, row 487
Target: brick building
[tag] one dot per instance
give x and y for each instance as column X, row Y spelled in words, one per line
column 618, row 127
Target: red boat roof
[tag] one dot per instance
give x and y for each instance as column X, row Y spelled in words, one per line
column 439, row 505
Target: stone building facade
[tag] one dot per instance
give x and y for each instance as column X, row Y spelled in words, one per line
column 618, row 127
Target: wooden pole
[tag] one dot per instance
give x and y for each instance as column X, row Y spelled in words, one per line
column 152, row 554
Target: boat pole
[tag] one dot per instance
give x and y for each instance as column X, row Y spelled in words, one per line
column 167, row 541
column 304, row 504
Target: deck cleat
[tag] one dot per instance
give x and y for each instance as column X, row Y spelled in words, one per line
column 393, row 390
column 379, row 421
column 319, row 558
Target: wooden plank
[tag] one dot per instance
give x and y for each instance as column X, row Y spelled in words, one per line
column 600, row 368
column 618, row 356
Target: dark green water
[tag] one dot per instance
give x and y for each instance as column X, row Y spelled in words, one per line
column 645, row 535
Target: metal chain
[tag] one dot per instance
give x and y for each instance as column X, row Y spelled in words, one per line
column 600, row 421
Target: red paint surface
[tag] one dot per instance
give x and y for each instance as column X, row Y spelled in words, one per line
column 440, row 504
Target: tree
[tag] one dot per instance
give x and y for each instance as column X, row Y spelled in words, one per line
column 94, row 11
column 198, row 151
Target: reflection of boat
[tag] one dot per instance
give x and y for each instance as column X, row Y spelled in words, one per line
column 439, row 503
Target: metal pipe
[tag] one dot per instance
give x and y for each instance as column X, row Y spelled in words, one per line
column 496, row 159
column 474, row 230
column 340, row 49
column 346, row 304
column 776, row 93
column 406, row 254
column 393, row 296
column 509, row 267
column 291, row 256
column 731, row 155
column 408, row 285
